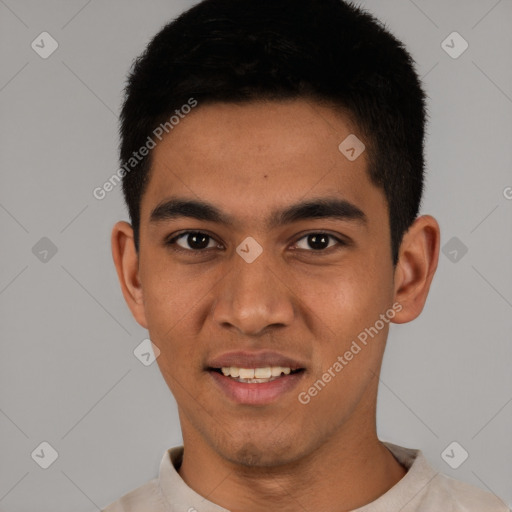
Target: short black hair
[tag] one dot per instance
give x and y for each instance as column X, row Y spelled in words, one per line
column 239, row 51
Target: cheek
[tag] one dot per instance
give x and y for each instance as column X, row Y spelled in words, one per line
column 349, row 297
column 169, row 305
column 168, row 293
column 345, row 305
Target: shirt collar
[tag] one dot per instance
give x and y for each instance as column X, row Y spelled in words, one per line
column 178, row 494
column 181, row 498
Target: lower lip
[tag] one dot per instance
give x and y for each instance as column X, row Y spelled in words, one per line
column 256, row 394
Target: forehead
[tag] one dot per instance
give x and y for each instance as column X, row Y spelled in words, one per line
column 249, row 159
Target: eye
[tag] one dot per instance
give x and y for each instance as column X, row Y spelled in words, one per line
column 319, row 241
column 194, row 241
column 198, row 241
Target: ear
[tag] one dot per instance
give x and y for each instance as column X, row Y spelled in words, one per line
column 126, row 261
column 417, row 263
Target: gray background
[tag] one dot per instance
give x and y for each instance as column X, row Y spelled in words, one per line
column 68, row 374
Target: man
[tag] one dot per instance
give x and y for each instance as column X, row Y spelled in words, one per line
column 272, row 157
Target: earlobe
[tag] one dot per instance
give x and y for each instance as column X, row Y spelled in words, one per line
column 418, row 258
column 126, row 261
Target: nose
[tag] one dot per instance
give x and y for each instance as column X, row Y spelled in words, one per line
column 253, row 297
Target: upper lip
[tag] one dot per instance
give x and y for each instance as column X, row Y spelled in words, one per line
column 261, row 359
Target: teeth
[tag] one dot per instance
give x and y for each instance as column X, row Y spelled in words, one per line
column 263, row 373
column 255, row 373
column 246, row 373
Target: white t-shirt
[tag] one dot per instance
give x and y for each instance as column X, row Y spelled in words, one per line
column 422, row 489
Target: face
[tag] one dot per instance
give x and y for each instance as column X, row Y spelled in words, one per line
column 264, row 281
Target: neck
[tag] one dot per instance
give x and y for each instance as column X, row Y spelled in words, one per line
column 349, row 470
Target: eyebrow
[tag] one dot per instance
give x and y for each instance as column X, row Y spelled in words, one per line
column 321, row 208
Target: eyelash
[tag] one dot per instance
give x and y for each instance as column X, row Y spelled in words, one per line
column 171, row 242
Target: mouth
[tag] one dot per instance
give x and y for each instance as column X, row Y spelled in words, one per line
column 256, row 386
column 260, row 375
column 255, row 377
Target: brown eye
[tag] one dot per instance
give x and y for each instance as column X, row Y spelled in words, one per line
column 192, row 241
column 318, row 241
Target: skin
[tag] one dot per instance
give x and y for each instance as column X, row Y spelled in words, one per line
column 249, row 160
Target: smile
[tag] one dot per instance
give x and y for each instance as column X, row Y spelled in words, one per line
column 256, row 375
column 256, row 386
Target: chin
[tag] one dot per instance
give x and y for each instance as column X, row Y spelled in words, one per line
column 260, row 453
column 254, row 456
